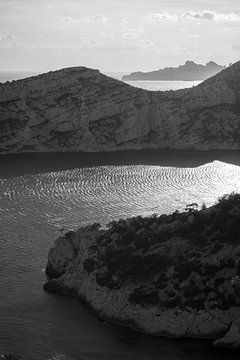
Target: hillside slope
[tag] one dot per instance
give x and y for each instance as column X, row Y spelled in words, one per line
column 79, row 109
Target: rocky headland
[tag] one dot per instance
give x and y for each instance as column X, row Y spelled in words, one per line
column 80, row 109
column 190, row 71
column 172, row 275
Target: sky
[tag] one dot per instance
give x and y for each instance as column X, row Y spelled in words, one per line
column 117, row 35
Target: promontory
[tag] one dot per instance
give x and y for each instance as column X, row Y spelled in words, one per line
column 172, row 275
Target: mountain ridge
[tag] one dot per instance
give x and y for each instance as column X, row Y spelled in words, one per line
column 190, row 71
column 80, row 109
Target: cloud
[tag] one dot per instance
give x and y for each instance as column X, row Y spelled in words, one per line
column 194, row 15
column 124, row 21
column 131, row 33
column 189, row 49
column 227, row 17
column 161, row 16
column 7, row 40
column 194, row 36
column 106, row 35
column 209, row 15
column 236, row 47
column 99, row 18
column 146, row 43
column 7, row 37
column 68, row 18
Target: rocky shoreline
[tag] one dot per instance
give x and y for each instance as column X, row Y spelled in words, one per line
column 155, row 275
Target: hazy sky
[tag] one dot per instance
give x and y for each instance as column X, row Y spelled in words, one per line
column 117, row 35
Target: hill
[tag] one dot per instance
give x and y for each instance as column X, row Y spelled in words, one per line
column 80, row 109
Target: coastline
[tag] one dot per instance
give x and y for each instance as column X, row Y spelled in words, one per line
column 196, row 298
column 19, row 164
column 130, row 324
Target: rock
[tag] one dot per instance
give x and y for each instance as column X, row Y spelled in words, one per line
column 80, row 109
column 231, row 339
column 56, row 286
column 59, row 257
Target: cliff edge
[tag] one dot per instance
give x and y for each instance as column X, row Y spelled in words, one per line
column 172, row 275
column 80, row 109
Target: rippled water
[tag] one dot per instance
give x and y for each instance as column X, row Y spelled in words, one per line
column 33, row 208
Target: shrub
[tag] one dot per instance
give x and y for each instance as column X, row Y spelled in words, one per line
column 9, row 356
column 174, row 302
column 191, row 290
column 89, row 265
column 144, row 297
column 211, row 269
column 218, row 281
column 216, row 248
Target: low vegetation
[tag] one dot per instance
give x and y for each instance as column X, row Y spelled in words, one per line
column 9, row 356
column 189, row 259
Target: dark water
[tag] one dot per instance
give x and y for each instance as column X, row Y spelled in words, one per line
column 33, row 208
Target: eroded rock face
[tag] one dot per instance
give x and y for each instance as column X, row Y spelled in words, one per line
column 79, row 109
column 161, row 275
column 231, row 339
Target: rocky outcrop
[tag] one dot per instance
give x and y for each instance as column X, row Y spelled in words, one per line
column 79, row 109
column 190, row 71
column 231, row 339
column 174, row 275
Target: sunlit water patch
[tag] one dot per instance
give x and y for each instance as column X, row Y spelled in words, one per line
column 34, row 208
column 155, row 85
column 74, row 197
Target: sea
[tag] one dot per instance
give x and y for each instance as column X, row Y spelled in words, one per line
column 147, row 85
column 43, row 195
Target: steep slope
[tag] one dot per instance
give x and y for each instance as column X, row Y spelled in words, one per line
column 173, row 275
column 189, row 71
column 79, row 109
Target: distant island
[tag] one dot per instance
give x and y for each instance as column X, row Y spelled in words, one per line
column 190, row 71
column 172, row 275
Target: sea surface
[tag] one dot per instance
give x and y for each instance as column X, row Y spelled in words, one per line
column 41, row 194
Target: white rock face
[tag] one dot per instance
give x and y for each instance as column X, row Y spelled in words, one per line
column 79, row 109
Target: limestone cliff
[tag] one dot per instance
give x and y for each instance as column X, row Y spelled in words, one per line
column 173, row 275
column 79, row 109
